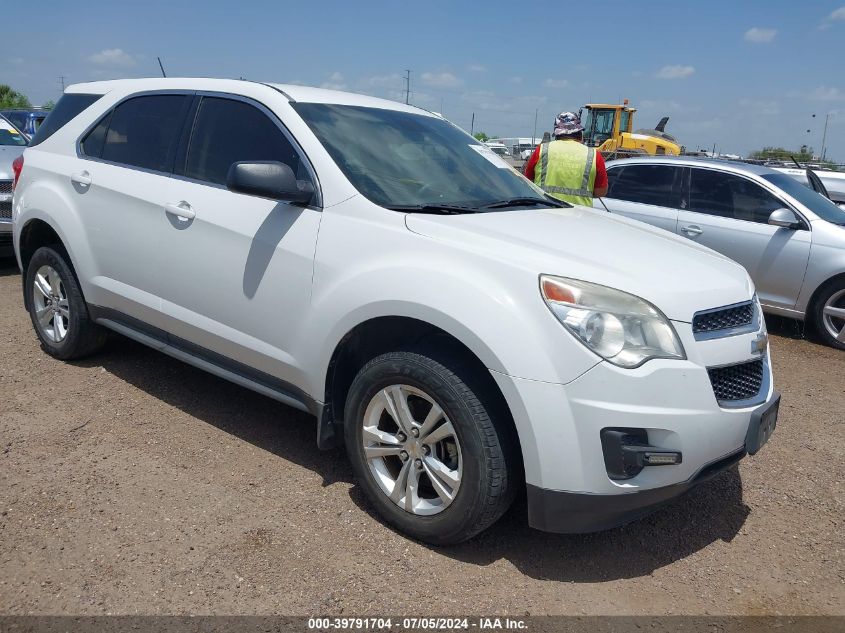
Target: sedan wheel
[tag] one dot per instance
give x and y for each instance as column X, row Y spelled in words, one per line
column 833, row 316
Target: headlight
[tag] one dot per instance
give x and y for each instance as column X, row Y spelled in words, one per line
column 619, row 327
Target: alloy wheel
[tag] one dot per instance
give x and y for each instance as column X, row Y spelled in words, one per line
column 52, row 310
column 412, row 450
column 833, row 315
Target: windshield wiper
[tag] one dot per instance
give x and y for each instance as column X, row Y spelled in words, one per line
column 521, row 202
column 444, row 209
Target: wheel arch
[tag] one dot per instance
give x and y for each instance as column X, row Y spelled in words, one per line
column 35, row 233
column 378, row 335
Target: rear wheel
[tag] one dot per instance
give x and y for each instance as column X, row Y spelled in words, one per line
column 57, row 308
column 829, row 313
column 433, row 455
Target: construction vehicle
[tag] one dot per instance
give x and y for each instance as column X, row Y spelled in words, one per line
column 609, row 128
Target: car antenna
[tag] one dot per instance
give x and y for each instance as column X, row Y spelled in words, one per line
column 160, row 65
column 604, row 205
column 797, row 164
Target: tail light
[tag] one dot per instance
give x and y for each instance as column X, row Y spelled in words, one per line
column 17, row 168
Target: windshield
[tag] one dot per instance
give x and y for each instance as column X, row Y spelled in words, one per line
column 398, row 159
column 10, row 135
column 815, row 202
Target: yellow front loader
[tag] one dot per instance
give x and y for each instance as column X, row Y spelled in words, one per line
column 610, row 129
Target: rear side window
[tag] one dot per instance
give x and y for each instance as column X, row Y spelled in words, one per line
column 659, row 185
column 227, row 131
column 142, row 132
column 67, row 108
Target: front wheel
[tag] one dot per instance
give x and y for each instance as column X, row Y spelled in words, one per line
column 433, row 454
column 829, row 313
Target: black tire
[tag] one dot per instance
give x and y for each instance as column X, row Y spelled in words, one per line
column 484, row 431
column 83, row 336
column 825, row 293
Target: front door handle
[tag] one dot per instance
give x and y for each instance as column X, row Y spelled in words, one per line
column 180, row 209
column 692, row 229
column 82, row 178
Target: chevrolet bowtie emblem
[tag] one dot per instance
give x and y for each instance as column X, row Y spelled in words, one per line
column 759, row 344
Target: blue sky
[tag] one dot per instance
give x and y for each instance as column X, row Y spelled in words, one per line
column 739, row 75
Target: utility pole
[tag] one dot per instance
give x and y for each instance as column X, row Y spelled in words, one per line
column 824, row 135
column 62, row 79
column 160, row 65
column 534, row 138
column 472, row 125
column 407, row 86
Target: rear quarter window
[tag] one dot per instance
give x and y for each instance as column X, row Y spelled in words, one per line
column 68, row 107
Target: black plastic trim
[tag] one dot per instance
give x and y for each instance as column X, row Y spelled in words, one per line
column 580, row 513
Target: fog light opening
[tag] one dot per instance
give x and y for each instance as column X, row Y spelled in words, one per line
column 627, row 452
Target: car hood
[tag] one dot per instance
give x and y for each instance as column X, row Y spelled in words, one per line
column 676, row 275
column 8, row 153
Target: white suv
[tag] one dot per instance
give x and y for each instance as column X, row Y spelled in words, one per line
column 371, row 263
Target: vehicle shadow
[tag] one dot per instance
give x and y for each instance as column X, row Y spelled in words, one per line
column 712, row 512
column 8, row 267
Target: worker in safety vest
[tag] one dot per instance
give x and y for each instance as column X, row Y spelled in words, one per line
column 566, row 168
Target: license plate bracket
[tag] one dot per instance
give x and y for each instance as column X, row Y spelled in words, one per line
column 762, row 425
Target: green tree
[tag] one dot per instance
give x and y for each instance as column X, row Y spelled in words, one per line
column 49, row 105
column 481, row 136
column 804, row 154
column 11, row 99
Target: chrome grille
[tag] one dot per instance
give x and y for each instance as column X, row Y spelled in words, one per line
column 737, row 382
column 5, row 205
column 727, row 318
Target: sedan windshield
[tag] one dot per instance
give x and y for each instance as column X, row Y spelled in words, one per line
column 815, row 202
column 9, row 135
column 416, row 162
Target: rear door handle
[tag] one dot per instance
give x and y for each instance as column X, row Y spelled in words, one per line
column 692, row 229
column 180, row 209
column 82, row 178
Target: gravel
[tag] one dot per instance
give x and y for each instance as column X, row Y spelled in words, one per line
column 131, row 483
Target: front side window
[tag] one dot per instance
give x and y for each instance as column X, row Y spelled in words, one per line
column 658, row 185
column 730, row 196
column 815, row 202
column 227, row 131
column 143, row 132
column 401, row 159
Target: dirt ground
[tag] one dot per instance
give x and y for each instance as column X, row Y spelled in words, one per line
column 131, row 483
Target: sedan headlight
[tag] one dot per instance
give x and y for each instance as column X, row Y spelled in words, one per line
column 621, row 328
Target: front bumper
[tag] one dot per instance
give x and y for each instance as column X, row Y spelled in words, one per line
column 560, row 425
column 579, row 513
column 6, row 247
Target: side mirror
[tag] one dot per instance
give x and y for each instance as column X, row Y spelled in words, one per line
column 785, row 218
column 268, row 179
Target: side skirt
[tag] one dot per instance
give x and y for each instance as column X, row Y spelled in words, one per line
column 207, row 360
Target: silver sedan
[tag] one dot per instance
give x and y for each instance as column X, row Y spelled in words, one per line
column 789, row 238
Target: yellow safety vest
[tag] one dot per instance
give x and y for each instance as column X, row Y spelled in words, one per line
column 567, row 171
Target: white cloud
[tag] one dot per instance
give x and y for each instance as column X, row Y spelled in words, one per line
column 555, row 83
column 760, row 107
column 839, row 14
column 335, row 82
column 440, row 80
column 827, row 93
column 113, row 57
column 759, row 35
column 477, row 68
column 675, row 71
column 515, row 80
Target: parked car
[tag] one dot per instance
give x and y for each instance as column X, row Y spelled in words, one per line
column 789, row 238
column 369, row 262
column 12, row 145
column 27, row 121
column 832, row 181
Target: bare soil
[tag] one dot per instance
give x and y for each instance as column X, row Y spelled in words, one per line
column 131, row 483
